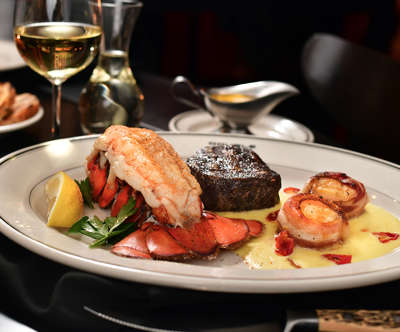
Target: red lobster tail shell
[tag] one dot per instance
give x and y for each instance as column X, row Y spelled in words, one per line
column 163, row 246
column 121, row 199
column 202, row 239
column 108, row 194
column 97, row 178
column 134, row 245
column 199, row 238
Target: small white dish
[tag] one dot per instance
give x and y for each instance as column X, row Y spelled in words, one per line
column 22, row 124
column 9, row 56
column 270, row 126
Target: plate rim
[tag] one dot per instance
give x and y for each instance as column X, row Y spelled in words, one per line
column 194, row 282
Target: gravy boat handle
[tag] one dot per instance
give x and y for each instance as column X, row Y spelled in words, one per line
column 183, row 80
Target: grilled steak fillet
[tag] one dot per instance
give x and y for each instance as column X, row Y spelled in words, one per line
column 234, row 178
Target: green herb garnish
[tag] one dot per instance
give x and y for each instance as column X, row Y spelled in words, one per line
column 110, row 230
column 84, row 187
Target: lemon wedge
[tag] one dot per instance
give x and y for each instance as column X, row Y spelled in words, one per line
column 65, row 201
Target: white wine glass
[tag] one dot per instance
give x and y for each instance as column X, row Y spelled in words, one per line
column 57, row 39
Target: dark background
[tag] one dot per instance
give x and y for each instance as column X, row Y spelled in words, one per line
column 223, row 42
column 217, row 43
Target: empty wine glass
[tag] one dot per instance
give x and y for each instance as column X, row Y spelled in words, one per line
column 57, row 39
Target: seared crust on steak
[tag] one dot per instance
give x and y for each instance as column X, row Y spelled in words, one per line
column 234, row 178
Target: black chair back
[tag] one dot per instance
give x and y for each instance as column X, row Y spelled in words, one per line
column 359, row 88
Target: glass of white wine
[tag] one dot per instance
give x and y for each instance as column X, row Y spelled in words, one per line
column 57, row 39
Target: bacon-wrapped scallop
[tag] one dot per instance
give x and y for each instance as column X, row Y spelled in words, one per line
column 343, row 190
column 312, row 221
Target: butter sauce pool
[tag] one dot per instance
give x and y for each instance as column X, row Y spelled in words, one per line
column 361, row 243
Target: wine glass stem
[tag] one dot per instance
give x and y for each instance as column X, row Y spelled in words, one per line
column 56, row 110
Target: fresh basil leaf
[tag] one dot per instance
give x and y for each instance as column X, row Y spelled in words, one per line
column 84, row 187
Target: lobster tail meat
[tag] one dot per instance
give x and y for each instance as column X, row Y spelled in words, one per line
column 150, row 165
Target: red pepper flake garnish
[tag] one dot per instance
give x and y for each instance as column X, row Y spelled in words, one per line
column 272, row 216
column 284, row 244
column 291, row 190
column 386, row 236
column 291, row 261
column 364, row 230
column 338, row 259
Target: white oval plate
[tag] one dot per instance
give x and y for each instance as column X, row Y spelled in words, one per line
column 22, row 124
column 23, row 210
column 269, row 126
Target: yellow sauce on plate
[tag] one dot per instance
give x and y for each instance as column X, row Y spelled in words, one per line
column 231, row 97
column 361, row 244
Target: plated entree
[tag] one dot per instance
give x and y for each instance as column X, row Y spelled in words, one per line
column 224, row 197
